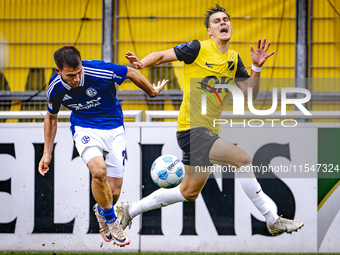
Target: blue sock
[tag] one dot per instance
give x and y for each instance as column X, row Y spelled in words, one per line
column 109, row 215
column 100, row 211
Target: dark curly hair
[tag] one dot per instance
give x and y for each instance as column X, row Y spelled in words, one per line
column 67, row 56
column 211, row 11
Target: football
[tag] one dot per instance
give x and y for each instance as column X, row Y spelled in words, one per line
column 167, row 171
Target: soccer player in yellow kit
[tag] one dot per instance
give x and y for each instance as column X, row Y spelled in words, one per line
column 207, row 63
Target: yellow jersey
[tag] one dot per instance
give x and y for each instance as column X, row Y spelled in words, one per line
column 205, row 67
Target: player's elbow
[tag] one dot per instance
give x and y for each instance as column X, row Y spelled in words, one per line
column 51, row 116
column 152, row 93
column 51, row 119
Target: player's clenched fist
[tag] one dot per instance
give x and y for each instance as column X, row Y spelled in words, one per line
column 43, row 164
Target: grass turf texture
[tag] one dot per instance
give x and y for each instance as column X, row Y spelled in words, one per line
column 144, row 253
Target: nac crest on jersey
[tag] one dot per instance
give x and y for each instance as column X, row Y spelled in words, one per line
column 91, row 92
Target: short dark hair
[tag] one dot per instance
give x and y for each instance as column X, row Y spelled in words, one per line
column 67, row 56
column 212, row 10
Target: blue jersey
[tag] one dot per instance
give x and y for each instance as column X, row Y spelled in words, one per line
column 93, row 103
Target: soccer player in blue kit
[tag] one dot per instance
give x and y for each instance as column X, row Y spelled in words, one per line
column 88, row 89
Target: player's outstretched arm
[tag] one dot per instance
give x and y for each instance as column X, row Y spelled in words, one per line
column 259, row 57
column 50, row 131
column 137, row 78
column 152, row 59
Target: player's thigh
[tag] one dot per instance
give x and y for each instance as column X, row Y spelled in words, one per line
column 88, row 137
column 225, row 153
column 196, row 144
column 194, row 181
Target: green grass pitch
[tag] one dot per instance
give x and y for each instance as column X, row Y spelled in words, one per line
column 143, row 253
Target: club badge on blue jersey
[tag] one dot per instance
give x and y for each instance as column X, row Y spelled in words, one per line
column 91, row 92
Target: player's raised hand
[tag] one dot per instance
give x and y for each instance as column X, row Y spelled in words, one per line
column 43, row 164
column 160, row 85
column 134, row 61
column 259, row 56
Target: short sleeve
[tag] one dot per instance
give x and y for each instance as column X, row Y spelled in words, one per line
column 188, row 52
column 119, row 72
column 53, row 102
column 241, row 72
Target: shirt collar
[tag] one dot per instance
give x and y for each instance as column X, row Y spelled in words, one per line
column 81, row 84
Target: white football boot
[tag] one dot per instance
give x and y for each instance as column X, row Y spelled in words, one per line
column 123, row 215
column 282, row 225
column 103, row 228
column 118, row 235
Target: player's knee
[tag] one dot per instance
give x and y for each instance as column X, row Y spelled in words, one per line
column 98, row 172
column 190, row 196
column 243, row 160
